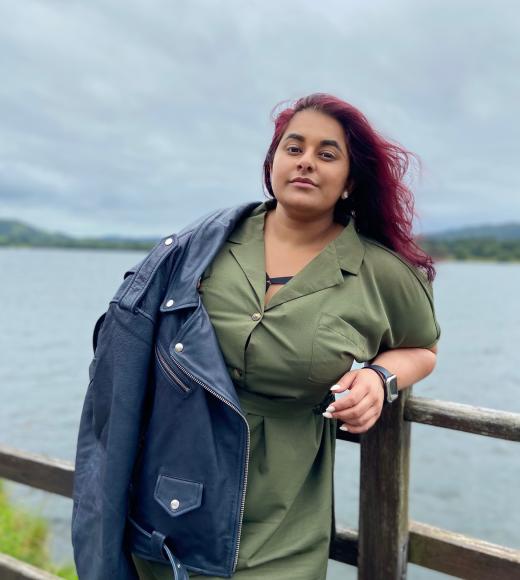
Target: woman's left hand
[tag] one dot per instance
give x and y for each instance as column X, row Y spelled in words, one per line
column 361, row 405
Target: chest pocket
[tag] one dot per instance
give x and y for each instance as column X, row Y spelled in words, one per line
column 336, row 344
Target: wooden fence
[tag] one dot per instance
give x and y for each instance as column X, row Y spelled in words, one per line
column 386, row 540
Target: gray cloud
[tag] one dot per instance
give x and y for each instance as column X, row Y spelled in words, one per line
column 134, row 117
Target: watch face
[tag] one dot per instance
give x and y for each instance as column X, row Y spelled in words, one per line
column 393, row 392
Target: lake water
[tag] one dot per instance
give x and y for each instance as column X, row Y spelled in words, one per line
column 50, row 300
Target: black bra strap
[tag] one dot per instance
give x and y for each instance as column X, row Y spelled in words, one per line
column 279, row 280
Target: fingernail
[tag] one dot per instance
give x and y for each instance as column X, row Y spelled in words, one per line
column 335, row 387
column 327, row 415
column 343, row 427
column 330, row 409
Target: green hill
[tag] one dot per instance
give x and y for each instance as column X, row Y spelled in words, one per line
column 507, row 231
column 485, row 242
column 16, row 233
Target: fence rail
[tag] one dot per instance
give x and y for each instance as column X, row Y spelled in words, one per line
column 386, row 540
column 479, row 420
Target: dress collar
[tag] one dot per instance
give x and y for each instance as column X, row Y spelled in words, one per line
column 348, row 246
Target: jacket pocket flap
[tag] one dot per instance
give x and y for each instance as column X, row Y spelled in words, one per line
column 177, row 496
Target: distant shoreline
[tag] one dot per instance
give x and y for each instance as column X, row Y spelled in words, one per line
column 481, row 249
column 138, row 246
column 489, row 243
column 490, row 251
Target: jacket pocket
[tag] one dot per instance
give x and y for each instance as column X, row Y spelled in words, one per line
column 176, row 495
column 169, row 373
column 335, row 345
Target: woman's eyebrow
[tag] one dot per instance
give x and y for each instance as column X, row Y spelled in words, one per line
column 301, row 138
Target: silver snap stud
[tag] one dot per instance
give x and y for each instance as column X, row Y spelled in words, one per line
column 174, row 504
column 256, row 316
column 170, row 303
column 168, row 241
column 179, row 347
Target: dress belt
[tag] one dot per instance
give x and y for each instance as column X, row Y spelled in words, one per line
column 280, row 407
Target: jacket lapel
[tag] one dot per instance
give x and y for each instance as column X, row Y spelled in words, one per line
column 206, row 238
column 201, row 355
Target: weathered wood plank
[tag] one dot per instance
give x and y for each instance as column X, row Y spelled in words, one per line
column 460, row 555
column 13, row 569
column 54, row 475
column 344, row 548
column 383, row 508
column 479, row 420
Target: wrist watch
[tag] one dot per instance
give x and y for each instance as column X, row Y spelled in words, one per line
column 389, row 382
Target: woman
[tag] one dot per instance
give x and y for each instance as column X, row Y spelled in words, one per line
column 324, row 272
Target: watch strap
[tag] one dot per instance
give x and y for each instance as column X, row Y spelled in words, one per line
column 385, row 373
column 386, row 377
column 379, row 373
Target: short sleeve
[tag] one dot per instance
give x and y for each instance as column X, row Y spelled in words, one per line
column 410, row 312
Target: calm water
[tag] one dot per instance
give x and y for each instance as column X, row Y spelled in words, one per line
column 466, row 483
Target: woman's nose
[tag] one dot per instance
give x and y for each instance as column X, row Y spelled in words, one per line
column 305, row 163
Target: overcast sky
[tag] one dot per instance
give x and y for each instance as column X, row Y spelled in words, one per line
column 135, row 117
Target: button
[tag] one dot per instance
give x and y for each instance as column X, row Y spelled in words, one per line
column 170, row 303
column 179, row 347
column 174, row 504
column 237, row 373
column 168, row 241
column 256, row 316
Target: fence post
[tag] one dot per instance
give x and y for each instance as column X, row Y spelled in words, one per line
column 383, row 507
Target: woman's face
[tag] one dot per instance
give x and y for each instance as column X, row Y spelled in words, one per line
column 312, row 147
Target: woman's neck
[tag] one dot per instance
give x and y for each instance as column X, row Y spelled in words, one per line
column 292, row 231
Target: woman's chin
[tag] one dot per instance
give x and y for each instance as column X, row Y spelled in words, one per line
column 303, row 199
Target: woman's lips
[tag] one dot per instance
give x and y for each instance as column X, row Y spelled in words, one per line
column 302, row 184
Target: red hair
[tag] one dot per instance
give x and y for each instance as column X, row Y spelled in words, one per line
column 380, row 202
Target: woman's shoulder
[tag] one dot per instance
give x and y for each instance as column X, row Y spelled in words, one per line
column 406, row 295
column 229, row 216
column 390, row 268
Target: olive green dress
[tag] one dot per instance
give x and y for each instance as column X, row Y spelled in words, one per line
column 351, row 301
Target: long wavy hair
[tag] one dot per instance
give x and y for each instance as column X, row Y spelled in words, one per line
column 380, row 202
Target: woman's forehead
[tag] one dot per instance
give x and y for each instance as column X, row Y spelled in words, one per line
column 315, row 126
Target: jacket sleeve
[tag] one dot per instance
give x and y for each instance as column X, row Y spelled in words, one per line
column 108, row 438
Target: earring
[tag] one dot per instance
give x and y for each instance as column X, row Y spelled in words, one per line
column 345, row 194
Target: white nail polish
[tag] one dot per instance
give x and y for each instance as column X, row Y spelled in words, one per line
column 327, row 415
column 335, row 387
column 344, row 428
column 330, row 409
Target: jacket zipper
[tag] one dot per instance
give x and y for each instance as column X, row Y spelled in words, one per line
column 246, row 467
column 169, row 372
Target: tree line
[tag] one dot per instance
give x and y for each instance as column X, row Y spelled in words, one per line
column 473, row 249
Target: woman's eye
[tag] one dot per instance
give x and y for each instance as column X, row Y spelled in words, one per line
column 328, row 155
